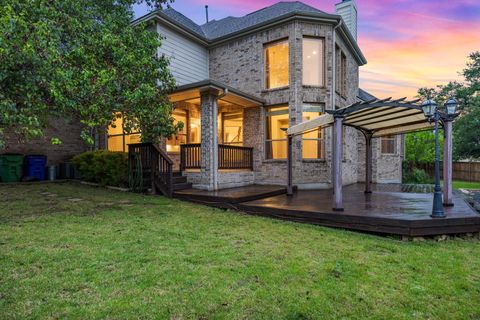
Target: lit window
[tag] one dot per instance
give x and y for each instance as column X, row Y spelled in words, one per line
column 276, row 142
column 174, row 142
column 118, row 139
column 313, row 62
column 312, row 141
column 340, row 72
column 190, row 132
column 388, row 145
column 231, row 128
column 276, row 65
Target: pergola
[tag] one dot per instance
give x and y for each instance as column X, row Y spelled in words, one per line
column 374, row 118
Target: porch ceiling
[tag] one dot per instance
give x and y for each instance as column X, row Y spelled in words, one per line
column 377, row 117
column 228, row 95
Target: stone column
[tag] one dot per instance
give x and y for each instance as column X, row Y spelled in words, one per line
column 337, row 146
column 447, row 164
column 209, row 138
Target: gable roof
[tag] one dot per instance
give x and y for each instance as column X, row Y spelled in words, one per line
column 365, row 96
column 217, row 30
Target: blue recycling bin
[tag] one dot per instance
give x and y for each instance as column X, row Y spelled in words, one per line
column 35, row 166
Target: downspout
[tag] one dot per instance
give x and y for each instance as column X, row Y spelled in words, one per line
column 334, row 64
column 333, row 96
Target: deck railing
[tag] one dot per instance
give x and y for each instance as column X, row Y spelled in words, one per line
column 152, row 167
column 190, row 156
column 229, row 157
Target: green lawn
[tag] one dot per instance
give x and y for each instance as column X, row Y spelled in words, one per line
column 466, row 185
column 78, row 252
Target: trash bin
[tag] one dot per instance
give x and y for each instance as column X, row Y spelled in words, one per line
column 35, row 166
column 11, row 167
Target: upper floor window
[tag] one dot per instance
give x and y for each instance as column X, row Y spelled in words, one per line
column 388, row 145
column 313, row 62
column 276, row 64
column 276, row 142
column 340, row 72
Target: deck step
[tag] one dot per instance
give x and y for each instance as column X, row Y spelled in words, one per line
column 179, row 179
column 182, row 186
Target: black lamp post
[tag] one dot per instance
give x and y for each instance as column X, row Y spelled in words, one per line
column 432, row 113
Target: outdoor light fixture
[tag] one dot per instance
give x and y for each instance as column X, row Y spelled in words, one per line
column 432, row 113
column 429, row 107
column 451, row 106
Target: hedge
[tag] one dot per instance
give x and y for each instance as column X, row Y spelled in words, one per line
column 103, row 167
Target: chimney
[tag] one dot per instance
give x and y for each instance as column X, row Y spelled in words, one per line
column 348, row 10
column 206, row 12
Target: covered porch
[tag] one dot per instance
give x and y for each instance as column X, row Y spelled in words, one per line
column 212, row 150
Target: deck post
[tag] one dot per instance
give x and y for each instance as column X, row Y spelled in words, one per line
column 368, row 162
column 337, row 147
column 290, row 166
column 447, row 164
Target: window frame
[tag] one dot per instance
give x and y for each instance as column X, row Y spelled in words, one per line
column 267, row 127
column 341, row 67
column 123, row 134
column 321, row 112
column 323, row 62
column 388, row 138
column 266, row 72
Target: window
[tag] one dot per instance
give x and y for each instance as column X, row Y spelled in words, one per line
column 231, row 128
column 276, row 65
column 276, row 142
column 388, row 145
column 118, row 139
column 174, row 142
column 190, row 132
column 340, row 72
column 313, row 62
column 313, row 141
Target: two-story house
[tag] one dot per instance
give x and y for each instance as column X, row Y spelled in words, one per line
column 243, row 80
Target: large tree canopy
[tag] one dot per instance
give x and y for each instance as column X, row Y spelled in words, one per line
column 83, row 61
column 466, row 128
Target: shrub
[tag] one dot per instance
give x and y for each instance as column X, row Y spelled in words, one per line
column 414, row 175
column 103, row 167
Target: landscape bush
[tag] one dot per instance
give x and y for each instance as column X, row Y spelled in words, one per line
column 414, row 175
column 103, row 167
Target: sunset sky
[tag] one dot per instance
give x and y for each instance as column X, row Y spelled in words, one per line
column 408, row 43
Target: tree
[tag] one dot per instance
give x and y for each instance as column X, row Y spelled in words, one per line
column 82, row 61
column 420, row 147
column 466, row 128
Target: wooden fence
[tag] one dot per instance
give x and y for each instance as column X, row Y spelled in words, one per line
column 464, row 171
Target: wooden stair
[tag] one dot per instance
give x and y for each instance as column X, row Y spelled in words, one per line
column 180, row 182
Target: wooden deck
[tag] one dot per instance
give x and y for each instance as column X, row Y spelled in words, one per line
column 387, row 210
column 227, row 197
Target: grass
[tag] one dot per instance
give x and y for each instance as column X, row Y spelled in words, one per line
column 466, row 185
column 78, row 252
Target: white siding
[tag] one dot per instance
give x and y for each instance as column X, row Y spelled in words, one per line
column 188, row 59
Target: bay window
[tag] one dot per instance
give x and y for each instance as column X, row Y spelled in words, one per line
column 276, row 64
column 313, row 141
column 276, row 138
column 313, row 62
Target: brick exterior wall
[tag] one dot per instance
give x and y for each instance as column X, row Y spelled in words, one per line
column 240, row 64
column 68, row 133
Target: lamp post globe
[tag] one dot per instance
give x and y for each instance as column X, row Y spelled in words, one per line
column 451, row 106
column 429, row 107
